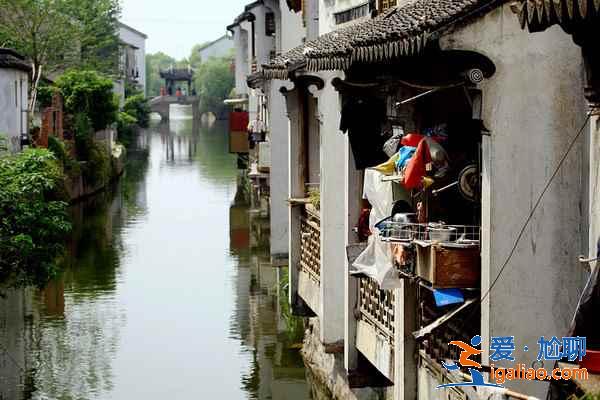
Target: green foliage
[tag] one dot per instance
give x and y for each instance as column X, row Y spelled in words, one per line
column 314, row 196
column 55, row 35
column 214, row 80
column 294, row 325
column 63, row 34
column 97, row 33
column 82, row 127
column 125, row 128
column 132, row 89
column 97, row 170
column 3, row 143
column 154, row 63
column 137, row 106
column 58, row 148
column 89, row 93
column 44, row 95
column 33, row 217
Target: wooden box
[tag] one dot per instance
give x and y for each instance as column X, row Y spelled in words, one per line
column 449, row 267
column 238, row 142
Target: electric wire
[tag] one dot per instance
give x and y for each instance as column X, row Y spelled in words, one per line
column 536, row 205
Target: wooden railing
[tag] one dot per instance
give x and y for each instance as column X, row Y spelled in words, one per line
column 463, row 326
column 377, row 307
column 310, row 246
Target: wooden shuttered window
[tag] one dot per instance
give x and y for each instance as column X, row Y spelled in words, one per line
column 385, row 4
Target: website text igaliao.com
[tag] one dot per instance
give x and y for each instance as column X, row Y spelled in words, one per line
column 522, row 372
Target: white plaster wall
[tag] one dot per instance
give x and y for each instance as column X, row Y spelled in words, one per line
column 327, row 9
column 13, row 121
column 220, row 48
column 278, row 134
column 134, row 38
column 533, row 105
column 292, row 32
column 264, row 43
column 240, row 40
column 333, row 213
column 594, row 192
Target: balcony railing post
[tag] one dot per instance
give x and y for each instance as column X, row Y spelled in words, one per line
column 405, row 360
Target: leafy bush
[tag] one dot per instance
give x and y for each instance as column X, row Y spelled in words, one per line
column 33, row 217
column 96, row 171
column 58, row 148
column 137, row 106
column 125, row 128
column 89, row 93
column 82, row 127
column 214, row 80
column 44, row 95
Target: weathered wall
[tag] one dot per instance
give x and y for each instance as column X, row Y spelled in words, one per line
column 14, row 86
column 533, row 106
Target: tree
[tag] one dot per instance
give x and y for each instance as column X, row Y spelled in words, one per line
column 214, row 81
column 58, row 34
column 97, row 33
column 195, row 58
column 154, row 63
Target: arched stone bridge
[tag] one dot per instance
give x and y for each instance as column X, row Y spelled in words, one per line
column 162, row 105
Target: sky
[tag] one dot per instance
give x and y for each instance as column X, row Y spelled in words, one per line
column 174, row 26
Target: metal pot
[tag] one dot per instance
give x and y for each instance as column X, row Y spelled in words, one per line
column 441, row 233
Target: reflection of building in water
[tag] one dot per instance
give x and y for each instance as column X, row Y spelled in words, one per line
column 65, row 335
column 179, row 148
column 276, row 369
column 15, row 338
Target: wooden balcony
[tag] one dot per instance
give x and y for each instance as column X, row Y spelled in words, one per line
column 376, row 325
column 309, row 267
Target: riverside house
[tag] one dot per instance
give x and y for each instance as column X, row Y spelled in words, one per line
column 14, row 94
column 484, row 145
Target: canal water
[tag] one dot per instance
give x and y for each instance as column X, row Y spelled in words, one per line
column 167, row 292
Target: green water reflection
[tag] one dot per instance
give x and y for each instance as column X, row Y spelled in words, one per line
column 167, row 290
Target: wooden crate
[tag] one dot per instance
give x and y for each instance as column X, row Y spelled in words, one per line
column 449, row 267
column 238, row 142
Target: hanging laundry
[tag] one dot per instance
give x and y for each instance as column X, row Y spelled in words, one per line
column 392, row 145
column 404, row 155
column 412, row 139
column 379, row 194
column 387, row 168
column 416, row 168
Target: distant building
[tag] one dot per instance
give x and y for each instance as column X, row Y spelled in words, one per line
column 133, row 56
column 14, row 89
column 221, row 47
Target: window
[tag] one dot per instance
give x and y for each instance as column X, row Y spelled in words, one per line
column 351, row 14
column 16, row 94
column 270, row 24
column 385, row 4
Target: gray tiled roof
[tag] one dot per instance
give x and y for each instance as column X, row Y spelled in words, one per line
column 11, row 59
column 538, row 15
column 397, row 32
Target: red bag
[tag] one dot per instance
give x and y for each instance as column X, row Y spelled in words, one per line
column 416, row 168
